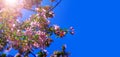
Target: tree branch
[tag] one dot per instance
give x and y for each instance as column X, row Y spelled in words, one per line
column 55, row 5
column 33, row 54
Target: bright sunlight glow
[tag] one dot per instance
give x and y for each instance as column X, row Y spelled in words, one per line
column 11, row 3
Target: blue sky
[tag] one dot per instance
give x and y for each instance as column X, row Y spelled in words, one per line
column 97, row 27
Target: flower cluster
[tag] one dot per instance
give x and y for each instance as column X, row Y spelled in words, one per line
column 34, row 32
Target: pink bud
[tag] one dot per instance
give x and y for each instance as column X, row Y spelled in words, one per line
column 56, row 27
column 13, row 25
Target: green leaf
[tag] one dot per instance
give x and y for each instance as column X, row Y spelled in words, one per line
column 1, row 26
column 24, row 37
column 36, row 36
column 3, row 55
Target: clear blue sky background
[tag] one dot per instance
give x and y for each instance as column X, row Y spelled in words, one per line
column 97, row 27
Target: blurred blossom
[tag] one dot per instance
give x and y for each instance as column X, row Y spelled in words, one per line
column 36, row 44
column 13, row 25
column 34, row 24
column 34, row 32
column 28, row 31
column 56, row 27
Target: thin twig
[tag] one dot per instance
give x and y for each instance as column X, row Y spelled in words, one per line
column 55, row 5
column 33, row 54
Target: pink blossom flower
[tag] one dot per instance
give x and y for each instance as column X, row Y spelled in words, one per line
column 72, row 30
column 36, row 9
column 56, row 27
column 36, row 45
column 34, row 24
column 28, row 31
column 47, row 22
column 25, row 48
column 18, row 30
column 42, row 35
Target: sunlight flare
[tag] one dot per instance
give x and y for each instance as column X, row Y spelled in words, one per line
column 10, row 3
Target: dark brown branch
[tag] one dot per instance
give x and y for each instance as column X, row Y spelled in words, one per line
column 33, row 54
column 55, row 5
